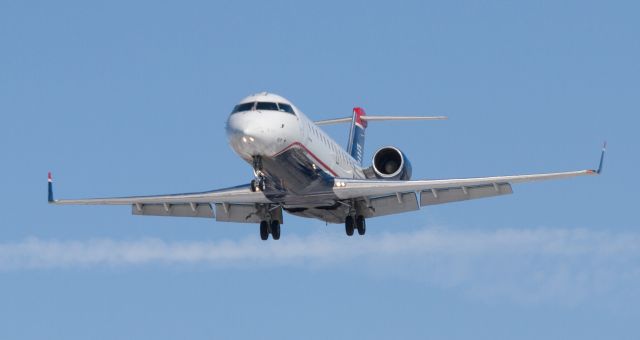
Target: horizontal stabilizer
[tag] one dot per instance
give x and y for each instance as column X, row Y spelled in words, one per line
column 372, row 118
column 381, row 118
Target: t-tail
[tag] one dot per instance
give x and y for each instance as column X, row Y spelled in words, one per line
column 359, row 121
column 356, row 135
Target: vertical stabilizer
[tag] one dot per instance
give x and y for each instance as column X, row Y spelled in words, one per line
column 356, row 135
column 50, row 188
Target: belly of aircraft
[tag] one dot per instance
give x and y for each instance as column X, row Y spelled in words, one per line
column 293, row 180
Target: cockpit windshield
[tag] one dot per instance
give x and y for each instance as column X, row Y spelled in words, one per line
column 243, row 107
column 286, row 108
column 267, row 106
column 263, row 106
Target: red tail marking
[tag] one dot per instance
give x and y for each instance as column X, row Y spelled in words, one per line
column 359, row 113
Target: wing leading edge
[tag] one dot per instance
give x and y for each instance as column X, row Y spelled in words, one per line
column 241, row 194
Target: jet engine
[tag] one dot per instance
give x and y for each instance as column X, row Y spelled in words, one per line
column 390, row 163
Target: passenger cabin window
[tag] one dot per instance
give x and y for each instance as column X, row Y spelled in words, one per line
column 243, row 107
column 267, row 106
column 286, row 108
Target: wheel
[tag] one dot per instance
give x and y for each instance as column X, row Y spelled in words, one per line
column 348, row 225
column 262, row 184
column 264, row 230
column 253, row 185
column 361, row 224
column 275, row 230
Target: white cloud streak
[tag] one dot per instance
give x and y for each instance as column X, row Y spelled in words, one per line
column 527, row 265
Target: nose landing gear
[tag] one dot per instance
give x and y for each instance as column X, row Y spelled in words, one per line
column 259, row 183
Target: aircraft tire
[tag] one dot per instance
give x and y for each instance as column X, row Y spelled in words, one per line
column 361, row 225
column 348, row 225
column 275, row 229
column 264, row 230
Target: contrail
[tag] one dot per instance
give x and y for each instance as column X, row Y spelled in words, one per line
column 523, row 264
column 322, row 248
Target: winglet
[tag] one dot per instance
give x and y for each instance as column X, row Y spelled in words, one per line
column 50, row 185
column 604, row 149
column 599, row 170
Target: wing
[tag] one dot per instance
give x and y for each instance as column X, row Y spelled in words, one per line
column 381, row 197
column 197, row 204
column 238, row 194
column 354, row 188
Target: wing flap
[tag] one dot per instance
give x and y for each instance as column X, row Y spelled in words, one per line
column 447, row 195
column 246, row 213
column 177, row 210
column 388, row 205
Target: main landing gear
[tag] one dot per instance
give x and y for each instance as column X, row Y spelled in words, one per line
column 260, row 182
column 272, row 228
column 351, row 224
column 270, row 217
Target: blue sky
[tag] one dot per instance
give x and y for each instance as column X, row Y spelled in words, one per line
column 123, row 98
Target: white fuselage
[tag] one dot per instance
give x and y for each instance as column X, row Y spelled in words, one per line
column 268, row 134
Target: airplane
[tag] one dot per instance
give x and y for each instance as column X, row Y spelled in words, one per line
column 299, row 169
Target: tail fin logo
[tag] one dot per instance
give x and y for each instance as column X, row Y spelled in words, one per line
column 358, row 112
column 356, row 134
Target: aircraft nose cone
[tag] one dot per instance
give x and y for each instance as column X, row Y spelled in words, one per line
column 238, row 127
column 245, row 134
column 261, row 133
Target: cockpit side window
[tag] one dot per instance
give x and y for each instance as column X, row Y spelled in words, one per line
column 243, row 107
column 286, row 108
column 266, row 106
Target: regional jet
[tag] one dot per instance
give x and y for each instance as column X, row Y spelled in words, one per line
column 299, row 169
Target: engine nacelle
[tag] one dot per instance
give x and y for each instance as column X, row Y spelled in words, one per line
column 390, row 163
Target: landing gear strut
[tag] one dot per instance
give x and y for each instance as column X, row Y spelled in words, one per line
column 350, row 224
column 257, row 163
